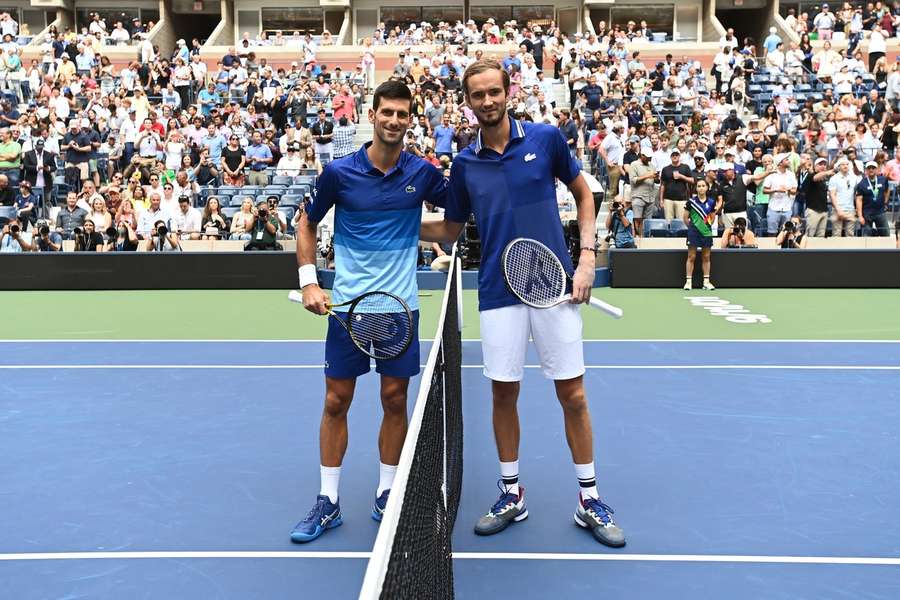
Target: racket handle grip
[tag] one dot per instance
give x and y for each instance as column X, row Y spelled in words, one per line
column 613, row 311
column 295, row 296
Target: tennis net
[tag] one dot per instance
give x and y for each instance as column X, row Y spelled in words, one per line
column 412, row 556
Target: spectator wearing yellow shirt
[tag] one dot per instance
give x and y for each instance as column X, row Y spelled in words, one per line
column 10, row 157
column 66, row 70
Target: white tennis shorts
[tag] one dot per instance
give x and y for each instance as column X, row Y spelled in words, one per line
column 556, row 333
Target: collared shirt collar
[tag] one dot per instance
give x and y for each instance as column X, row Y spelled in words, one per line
column 516, row 131
column 366, row 166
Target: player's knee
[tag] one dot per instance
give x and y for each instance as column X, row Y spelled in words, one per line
column 394, row 404
column 574, row 402
column 336, row 405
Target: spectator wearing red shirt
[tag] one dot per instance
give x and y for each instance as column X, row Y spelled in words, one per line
column 344, row 105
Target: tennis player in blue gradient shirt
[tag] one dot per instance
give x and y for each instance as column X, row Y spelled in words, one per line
column 377, row 194
column 507, row 178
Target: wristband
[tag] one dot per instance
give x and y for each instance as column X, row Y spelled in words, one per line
column 594, row 250
column 308, row 275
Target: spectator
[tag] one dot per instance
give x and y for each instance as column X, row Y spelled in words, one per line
column 259, row 156
column 619, row 222
column 242, row 221
column 214, row 223
column 734, row 196
column 25, row 205
column 872, row 201
column 148, row 218
column 186, row 221
column 263, row 229
column 125, row 241
column 841, row 188
column 10, row 157
column 311, row 161
column 13, row 238
column 323, row 134
column 737, row 235
column 70, row 217
column 675, row 183
column 642, row 174
column 291, row 163
column 233, row 162
column 444, row 135
column 343, row 134
column 780, row 186
column 815, row 192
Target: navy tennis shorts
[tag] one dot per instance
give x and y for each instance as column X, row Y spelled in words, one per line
column 695, row 239
column 343, row 360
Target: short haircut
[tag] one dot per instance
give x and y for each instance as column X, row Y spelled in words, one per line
column 392, row 90
column 740, row 222
column 484, row 65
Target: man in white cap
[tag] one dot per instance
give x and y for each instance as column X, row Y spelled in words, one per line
column 842, row 192
column 781, row 187
column 676, row 181
column 823, row 23
column 642, row 174
column 613, row 151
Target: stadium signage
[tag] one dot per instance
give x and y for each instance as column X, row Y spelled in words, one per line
column 733, row 313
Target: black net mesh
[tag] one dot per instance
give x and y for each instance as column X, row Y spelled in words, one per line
column 420, row 565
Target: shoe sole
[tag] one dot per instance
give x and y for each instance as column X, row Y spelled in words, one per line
column 520, row 517
column 302, row 538
column 584, row 525
column 377, row 516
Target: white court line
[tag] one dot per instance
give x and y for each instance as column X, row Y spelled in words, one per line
column 590, row 367
column 320, row 341
column 677, row 558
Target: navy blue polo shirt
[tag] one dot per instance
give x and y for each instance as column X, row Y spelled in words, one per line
column 377, row 217
column 873, row 192
column 512, row 195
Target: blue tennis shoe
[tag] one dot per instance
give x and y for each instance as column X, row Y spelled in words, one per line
column 380, row 505
column 323, row 516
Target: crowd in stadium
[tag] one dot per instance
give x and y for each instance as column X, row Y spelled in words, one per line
column 801, row 132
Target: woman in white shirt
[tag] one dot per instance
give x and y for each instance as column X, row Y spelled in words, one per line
column 174, row 150
column 242, row 221
column 100, row 215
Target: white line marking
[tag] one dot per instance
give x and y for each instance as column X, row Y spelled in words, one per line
column 591, row 367
column 678, row 558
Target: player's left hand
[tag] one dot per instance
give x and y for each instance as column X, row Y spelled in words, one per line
column 583, row 280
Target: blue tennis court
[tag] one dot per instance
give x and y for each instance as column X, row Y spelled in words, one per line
column 176, row 470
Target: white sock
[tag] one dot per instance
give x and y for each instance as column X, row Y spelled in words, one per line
column 331, row 479
column 509, row 473
column 587, row 482
column 385, row 477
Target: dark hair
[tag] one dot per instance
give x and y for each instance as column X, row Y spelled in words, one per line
column 740, row 222
column 392, row 90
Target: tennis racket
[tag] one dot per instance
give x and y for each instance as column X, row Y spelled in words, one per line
column 536, row 276
column 380, row 324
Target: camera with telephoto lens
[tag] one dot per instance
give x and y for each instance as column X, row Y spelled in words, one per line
column 616, row 206
column 263, row 213
column 738, row 230
column 44, row 230
column 111, row 232
column 162, row 231
column 789, row 227
column 14, row 229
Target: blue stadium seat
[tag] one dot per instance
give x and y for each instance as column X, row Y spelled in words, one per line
column 6, row 214
column 293, row 200
column 677, row 228
column 285, row 180
column 656, row 228
column 229, row 211
column 300, row 190
column 288, row 212
column 237, row 200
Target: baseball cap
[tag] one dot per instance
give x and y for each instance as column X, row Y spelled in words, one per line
column 728, row 166
column 821, row 161
column 647, row 152
column 711, row 167
column 699, row 155
column 634, row 139
column 674, row 151
column 871, row 163
column 729, row 151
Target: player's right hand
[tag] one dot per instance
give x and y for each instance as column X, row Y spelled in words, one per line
column 315, row 300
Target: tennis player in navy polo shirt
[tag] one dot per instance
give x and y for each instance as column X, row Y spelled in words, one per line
column 507, row 179
column 377, row 194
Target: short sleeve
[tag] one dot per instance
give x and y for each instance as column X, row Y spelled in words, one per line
column 458, row 204
column 564, row 166
column 324, row 195
column 437, row 188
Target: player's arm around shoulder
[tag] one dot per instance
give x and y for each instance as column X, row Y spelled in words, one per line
column 456, row 206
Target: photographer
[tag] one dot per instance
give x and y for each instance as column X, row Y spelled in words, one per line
column 47, row 241
column 163, row 240
column 13, row 239
column 791, row 235
column 738, row 236
column 121, row 239
column 263, row 228
column 619, row 225
column 87, row 239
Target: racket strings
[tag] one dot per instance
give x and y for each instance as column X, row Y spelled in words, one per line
column 381, row 322
column 533, row 273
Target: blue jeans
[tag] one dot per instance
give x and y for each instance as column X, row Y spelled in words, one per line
column 876, row 224
column 775, row 219
column 757, row 216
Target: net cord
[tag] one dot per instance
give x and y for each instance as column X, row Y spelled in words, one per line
column 384, row 541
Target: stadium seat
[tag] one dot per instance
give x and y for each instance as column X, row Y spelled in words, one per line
column 288, row 212
column 677, row 228
column 6, row 214
column 285, row 180
column 656, row 228
column 293, row 200
column 237, row 200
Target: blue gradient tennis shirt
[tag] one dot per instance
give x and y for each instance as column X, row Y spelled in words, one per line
column 376, row 222
column 512, row 195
